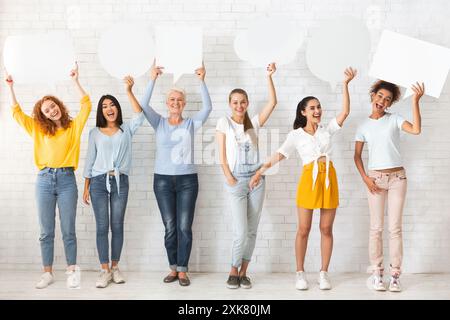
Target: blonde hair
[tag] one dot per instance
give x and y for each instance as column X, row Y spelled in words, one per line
column 176, row 89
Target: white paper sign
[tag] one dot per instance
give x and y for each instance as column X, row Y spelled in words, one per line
column 126, row 49
column 42, row 58
column 404, row 61
column 179, row 49
column 268, row 40
column 335, row 45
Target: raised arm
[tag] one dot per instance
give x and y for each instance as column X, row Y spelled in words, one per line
column 349, row 75
column 370, row 182
column 415, row 127
column 22, row 119
column 12, row 93
column 151, row 115
column 221, row 142
column 200, row 117
column 270, row 105
column 129, row 83
column 273, row 160
column 74, row 75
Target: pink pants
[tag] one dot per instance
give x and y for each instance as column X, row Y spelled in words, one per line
column 394, row 191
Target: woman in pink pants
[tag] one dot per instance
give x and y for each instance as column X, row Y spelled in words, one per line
column 386, row 178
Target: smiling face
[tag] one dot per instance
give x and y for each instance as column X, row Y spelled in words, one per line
column 110, row 111
column 238, row 104
column 381, row 100
column 313, row 111
column 51, row 110
column 175, row 102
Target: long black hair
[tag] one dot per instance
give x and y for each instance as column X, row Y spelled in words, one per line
column 300, row 120
column 101, row 121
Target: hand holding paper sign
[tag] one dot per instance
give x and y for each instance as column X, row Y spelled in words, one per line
column 349, row 73
column 10, row 82
column 201, row 72
column 419, row 91
column 271, row 68
column 403, row 60
column 155, row 71
column 74, row 73
column 129, row 83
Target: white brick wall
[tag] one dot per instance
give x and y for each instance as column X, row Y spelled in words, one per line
column 427, row 213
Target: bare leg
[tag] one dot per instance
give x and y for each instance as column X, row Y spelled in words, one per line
column 301, row 240
column 48, row 269
column 326, row 232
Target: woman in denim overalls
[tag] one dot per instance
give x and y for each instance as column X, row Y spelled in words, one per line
column 237, row 137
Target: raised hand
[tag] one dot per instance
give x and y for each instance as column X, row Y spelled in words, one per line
column 271, row 68
column 129, row 82
column 419, row 90
column 155, row 71
column 9, row 81
column 349, row 73
column 74, row 72
column 201, row 72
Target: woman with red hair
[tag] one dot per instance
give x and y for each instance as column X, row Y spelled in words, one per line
column 56, row 138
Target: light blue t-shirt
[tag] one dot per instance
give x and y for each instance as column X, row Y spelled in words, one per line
column 111, row 153
column 383, row 140
column 175, row 143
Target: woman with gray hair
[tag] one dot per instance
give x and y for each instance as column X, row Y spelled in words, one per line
column 175, row 180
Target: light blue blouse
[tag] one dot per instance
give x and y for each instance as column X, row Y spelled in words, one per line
column 111, row 153
column 175, row 143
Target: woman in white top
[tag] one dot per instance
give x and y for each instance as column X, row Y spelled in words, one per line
column 237, row 138
column 386, row 179
column 317, row 188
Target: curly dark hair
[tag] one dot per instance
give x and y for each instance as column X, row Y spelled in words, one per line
column 392, row 88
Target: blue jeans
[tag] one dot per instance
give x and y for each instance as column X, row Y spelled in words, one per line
column 109, row 207
column 57, row 186
column 176, row 196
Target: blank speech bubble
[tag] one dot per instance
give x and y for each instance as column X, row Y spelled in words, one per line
column 42, row 58
column 126, row 49
column 404, row 61
column 179, row 49
column 268, row 40
column 336, row 45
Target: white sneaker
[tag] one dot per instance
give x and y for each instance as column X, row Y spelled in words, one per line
column 324, row 281
column 46, row 279
column 117, row 276
column 73, row 278
column 301, row 282
column 103, row 279
column 394, row 284
column 375, row 282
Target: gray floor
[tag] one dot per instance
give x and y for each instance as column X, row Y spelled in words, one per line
column 211, row 286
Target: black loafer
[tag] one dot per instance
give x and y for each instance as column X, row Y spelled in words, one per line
column 170, row 278
column 184, row 282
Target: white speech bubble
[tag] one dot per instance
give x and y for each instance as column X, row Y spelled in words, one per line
column 126, row 49
column 179, row 49
column 42, row 58
column 335, row 45
column 404, row 61
column 268, row 40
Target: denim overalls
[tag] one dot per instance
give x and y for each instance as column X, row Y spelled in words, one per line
column 246, row 204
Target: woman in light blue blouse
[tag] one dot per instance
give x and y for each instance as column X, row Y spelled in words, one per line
column 106, row 171
column 175, row 180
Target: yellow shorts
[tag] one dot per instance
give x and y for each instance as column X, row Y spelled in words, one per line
column 320, row 197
